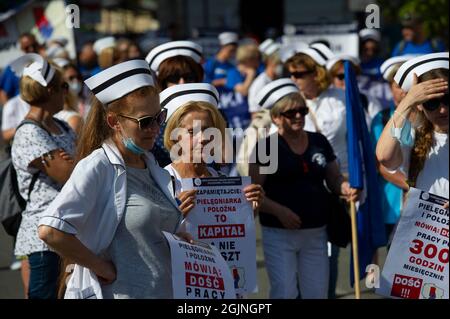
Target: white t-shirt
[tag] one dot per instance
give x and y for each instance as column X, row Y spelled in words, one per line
column 14, row 111
column 434, row 176
column 330, row 115
column 261, row 80
column 173, row 172
column 373, row 109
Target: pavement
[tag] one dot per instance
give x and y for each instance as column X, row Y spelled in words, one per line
column 11, row 286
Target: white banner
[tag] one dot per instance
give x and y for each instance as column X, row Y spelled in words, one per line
column 339, row 43
column 198, row 271
column 223, row 217
column 417, row 264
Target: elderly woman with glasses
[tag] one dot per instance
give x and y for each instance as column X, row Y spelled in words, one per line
column 294, row 213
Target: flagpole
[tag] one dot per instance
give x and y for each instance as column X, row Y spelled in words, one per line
column 355, row 250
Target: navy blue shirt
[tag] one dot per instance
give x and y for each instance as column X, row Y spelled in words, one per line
column 298, row 182
column 9, row 82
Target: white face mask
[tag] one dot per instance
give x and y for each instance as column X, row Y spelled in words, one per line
column 279, row 70
column 75, row 87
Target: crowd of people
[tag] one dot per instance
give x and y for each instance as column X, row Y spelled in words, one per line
column 91, row 142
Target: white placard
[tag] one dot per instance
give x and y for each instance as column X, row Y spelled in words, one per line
column 339, row 43
column 198, row 271
column 417, row 264
column 223, row 217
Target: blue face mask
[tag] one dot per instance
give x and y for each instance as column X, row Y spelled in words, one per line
column 131, row 145
column 403, row 134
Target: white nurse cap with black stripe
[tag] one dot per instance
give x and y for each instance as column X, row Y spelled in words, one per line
column 119, row 80
column 275, row 91
column 390, row 63
column 419, row 66
column 269, row 47
column 167, row 50
column 341, row 57
column 177, row 95
column 34, row 66
column 226, row 38
column 319, row 52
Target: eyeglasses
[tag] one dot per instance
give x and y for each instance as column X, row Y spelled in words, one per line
column 291, row 114
column 433, row 104
column 148, row 121
column 340, row 76
column 187, row 77
column 300, row 74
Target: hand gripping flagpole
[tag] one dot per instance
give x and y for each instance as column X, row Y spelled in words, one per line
column 355, row 250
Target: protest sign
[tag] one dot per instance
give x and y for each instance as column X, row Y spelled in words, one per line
column 417, row 264
column 198, row 271
column 224, row 218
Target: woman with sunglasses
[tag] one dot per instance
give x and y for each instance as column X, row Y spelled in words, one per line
column 294, row 212
column 175, row 62
column 415, row 140
column 335, row 68
column 41, row 153
column 108, row 219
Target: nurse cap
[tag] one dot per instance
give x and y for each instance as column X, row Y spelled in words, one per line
column 34, row 66
column 269, row 47
column 226, row 38
column 419, row 66
column 319, row 52
column 390, row 63
column 370, row 34
column 61, row 62
column 177, row 95
column 341, row 57
column 287, row 51
column 104, row 43
column 119, row 80
column 275, row 91
column 167, row 50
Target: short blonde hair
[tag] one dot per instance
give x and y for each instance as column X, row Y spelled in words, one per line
column 247, row 52
column 292, row 99
column 193, row 106
column 321, row 73
column 32, row 92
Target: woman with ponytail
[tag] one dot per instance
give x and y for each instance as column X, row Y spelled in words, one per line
column 416, row 137
column 109, row 217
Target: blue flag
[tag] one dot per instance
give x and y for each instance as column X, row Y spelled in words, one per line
column 363, row 175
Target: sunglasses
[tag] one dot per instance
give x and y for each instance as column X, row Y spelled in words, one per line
column 434, row 104
column 146, row 122
column 187, row 77
column 300, row 74
column 291, row 114
column 65, row 86
column 340, row 76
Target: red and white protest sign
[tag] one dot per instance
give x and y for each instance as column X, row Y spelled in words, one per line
column 417, row 263
column 223, row 217
column 198, row 271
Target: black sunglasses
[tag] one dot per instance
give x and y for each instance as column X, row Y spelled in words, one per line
column 300, row 74
column 340, row 76
column 148, row 121
column 187, row 77
column 65, row 86
column 291, row 114
column 434, row 104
